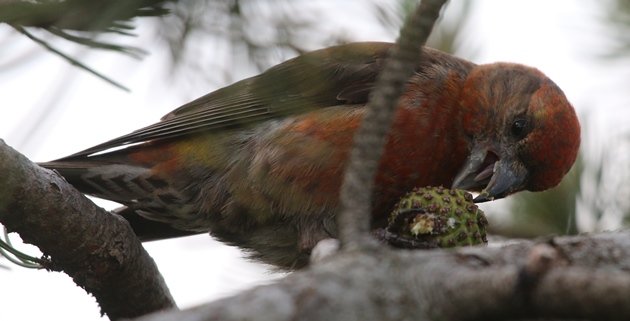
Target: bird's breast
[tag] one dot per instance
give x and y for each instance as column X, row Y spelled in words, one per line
column 425, row 148
column 299, row 164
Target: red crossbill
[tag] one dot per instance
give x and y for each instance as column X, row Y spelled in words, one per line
column 259, row 163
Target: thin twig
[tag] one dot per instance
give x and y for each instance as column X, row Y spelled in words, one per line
column 69, row 59
column 358, row 185
column 16, row 257
column 134, row 52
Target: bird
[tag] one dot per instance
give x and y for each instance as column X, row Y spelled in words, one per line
column 259, row 164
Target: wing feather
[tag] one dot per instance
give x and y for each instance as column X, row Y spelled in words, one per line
column 323, row 78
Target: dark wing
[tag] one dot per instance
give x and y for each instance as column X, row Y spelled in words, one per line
column 319, row 79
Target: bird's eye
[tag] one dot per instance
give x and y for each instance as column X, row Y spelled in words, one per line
column 519, row 128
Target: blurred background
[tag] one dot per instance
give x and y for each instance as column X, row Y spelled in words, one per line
column 72, row 82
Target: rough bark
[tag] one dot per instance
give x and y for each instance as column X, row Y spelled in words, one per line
column 97, row 249
column 568, row 278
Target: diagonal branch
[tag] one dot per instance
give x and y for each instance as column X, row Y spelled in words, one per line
column 356, row 192
column 97, row 249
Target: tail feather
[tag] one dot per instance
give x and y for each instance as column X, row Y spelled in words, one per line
column 116, row 182
column 125, row 184
column 149, row 230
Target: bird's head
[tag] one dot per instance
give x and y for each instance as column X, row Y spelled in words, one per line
column 524, row 134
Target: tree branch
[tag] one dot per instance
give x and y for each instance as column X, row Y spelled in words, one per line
column 369, row 141
column 81, row 15
column 88, row 17
column 570, row 278
column 97, row 249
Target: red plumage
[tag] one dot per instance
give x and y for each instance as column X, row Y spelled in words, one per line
column 259, row 163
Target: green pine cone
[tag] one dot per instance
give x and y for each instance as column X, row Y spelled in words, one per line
column 436, row 217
